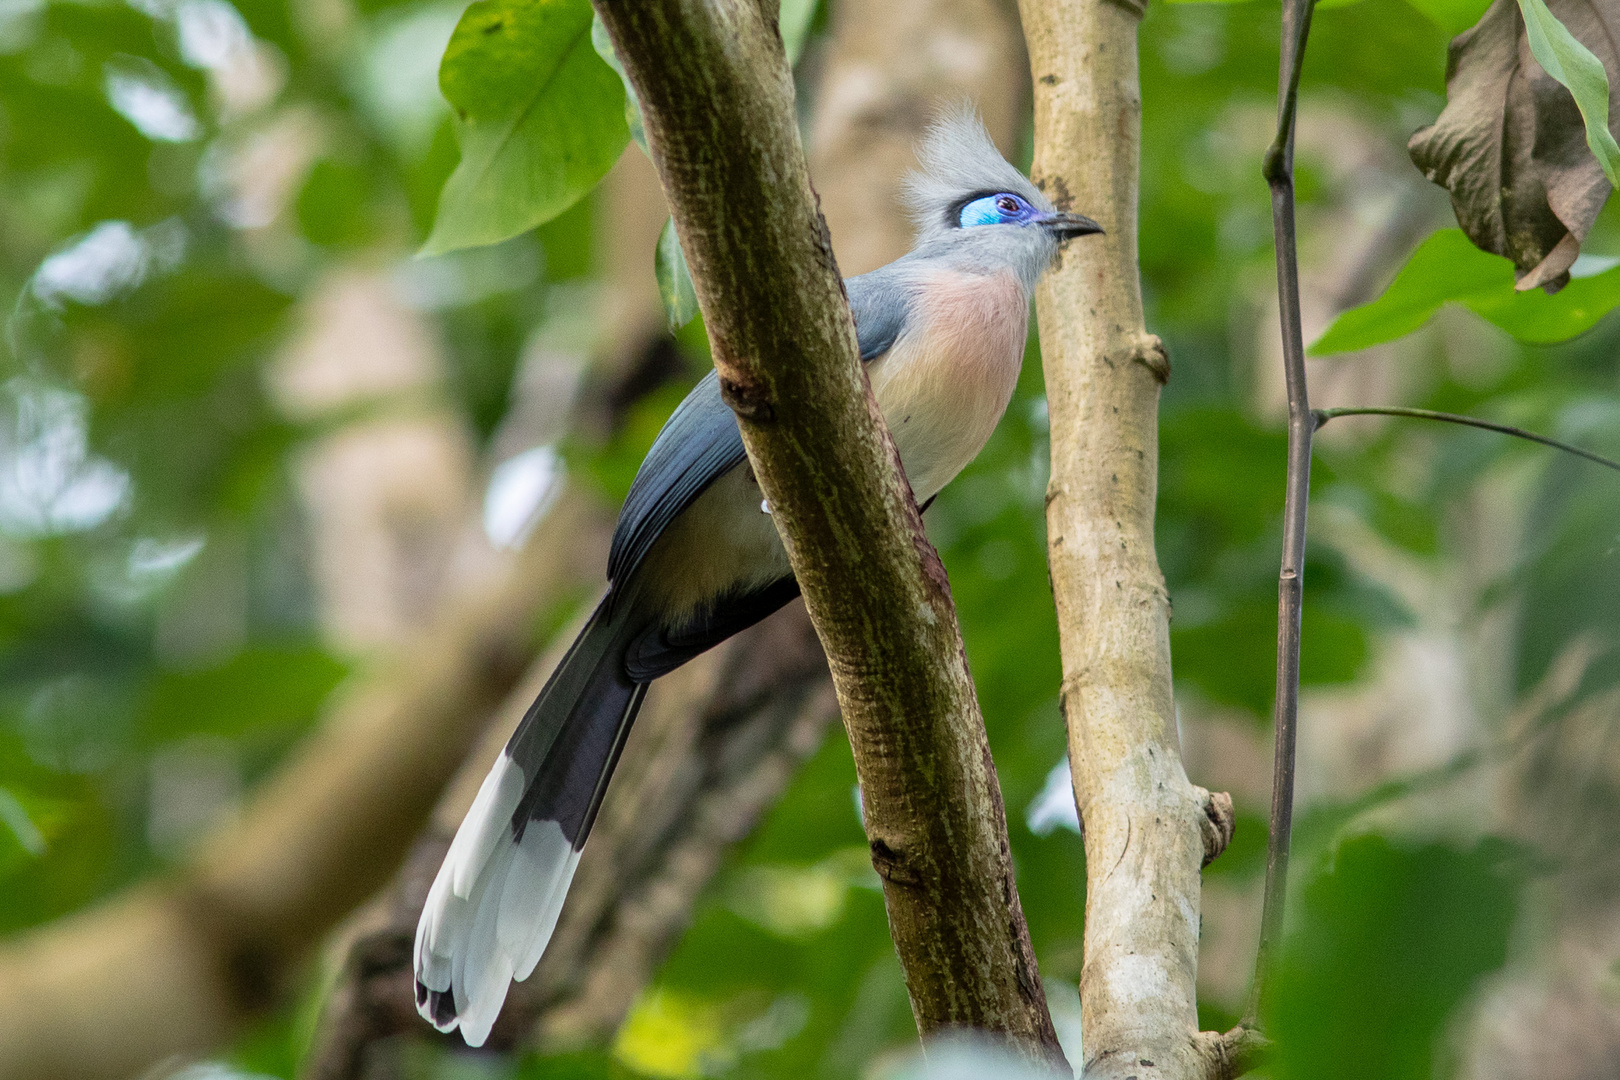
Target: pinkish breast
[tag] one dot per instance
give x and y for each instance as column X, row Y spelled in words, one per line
column 946, row 382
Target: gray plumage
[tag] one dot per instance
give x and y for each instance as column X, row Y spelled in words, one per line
column 693, row 559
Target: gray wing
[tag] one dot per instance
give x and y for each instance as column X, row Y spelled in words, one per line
column 700, row 442
column 879, row 301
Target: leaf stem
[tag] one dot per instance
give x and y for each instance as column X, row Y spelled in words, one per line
column 1324, row 415
column 1279, row 174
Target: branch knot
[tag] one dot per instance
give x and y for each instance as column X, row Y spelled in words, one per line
column 1231, row 1054
column 1148, row 350
column 747, row 399
column 893, row 865
column 1217, row 823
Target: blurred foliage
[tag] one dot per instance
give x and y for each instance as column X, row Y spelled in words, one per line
column 1390, row 939
column 157, row 605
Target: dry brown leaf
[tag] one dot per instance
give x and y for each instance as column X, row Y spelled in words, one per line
column 1510, row 145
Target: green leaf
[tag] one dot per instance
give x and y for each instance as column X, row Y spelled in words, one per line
column 1448, row 268
column 260, row 689
column 539, row 116
column 1389, row 939
column 1574, row 65
column 1452, row 16
column 793, row 23
column 16, row 818
column 632, row 105
column 674, row 280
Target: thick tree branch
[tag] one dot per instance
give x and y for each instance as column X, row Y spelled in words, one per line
column 1145, row 824
column 718, row 100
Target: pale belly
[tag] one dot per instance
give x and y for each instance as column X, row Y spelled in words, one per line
column 944, row 387
column 942, row 390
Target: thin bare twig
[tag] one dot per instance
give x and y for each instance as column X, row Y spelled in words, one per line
column 1324, row 415
column 1279, row 173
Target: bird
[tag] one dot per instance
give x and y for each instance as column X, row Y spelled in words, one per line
column 695, row 556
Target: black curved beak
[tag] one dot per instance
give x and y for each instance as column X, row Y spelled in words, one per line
column 1067, row 226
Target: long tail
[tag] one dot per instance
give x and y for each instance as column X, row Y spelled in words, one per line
column 495, row 903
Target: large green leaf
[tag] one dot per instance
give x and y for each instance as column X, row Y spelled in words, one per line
column 793, row 23
column 1448, row 268
column 1581, row 72
column 539, row 116
column 603, row 44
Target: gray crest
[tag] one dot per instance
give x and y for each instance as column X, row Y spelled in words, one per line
column 959, row 163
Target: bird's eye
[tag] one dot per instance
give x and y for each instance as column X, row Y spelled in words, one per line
column 1002, row 209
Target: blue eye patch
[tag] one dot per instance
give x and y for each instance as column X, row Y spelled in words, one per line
column 1004, row 208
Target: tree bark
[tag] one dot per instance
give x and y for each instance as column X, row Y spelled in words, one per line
column 1148, row 830
column 718, row 101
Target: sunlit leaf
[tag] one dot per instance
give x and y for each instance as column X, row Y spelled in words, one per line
column 1446, row 268
column 539, row 116
column 632, row 105
column 793, row 22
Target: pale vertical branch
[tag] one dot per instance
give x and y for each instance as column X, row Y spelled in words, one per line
column 718, row 100
column 1148, row 829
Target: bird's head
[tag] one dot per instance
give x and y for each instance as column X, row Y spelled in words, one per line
column 969, row 202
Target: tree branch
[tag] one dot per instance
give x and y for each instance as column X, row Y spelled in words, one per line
column 1145, row 823
column 1322, row 416
column 718, row 101
column 1279, row 173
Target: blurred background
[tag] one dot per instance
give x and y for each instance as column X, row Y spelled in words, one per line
column 290, row 517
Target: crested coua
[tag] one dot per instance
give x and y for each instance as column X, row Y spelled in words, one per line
column 694, row 560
